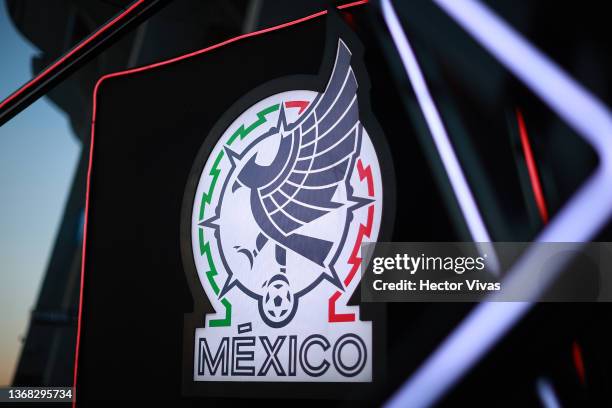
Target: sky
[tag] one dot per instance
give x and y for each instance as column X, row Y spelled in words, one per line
column 38, row 159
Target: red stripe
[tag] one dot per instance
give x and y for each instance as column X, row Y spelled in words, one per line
column 60, row 61
column 334, row 317
column 354, row 259
column 367, row 174
column 91, row 146
column 297, row 104
column 364, row 231
column 534, row 177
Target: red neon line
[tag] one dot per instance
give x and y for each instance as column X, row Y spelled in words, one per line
column 70, row 53
column 353, row 4
column 534, row 177
column 226, row 42
column 91, row 147
column 578, row 361
column 87, row 191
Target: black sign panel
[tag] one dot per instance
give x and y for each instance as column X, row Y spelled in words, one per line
column 286, row 138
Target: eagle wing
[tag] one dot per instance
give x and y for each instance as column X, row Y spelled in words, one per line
column 325, row 140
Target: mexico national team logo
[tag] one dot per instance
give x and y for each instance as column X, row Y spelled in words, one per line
column 284, row 201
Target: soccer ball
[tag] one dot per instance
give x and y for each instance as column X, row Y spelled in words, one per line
column 278, row 301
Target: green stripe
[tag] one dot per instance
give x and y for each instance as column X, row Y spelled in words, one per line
column 215, row 172
column 241, row 133
column 228, row 316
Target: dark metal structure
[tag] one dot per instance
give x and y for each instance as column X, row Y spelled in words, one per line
column 47, row 356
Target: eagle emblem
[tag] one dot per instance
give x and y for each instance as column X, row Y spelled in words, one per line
column 286, row 201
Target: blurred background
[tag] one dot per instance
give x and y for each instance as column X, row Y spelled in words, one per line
column 43, row 149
